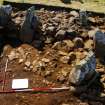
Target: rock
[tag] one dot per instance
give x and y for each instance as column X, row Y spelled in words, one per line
column 91, row 33
column 60, row 35
column 13, row 55
column 71, row 34
column 84, row 70
column 78, row 42
column 50, row 29
column 7, row 49
column 21, row 52
column 74, row 13
column 100, row 45
column 27, row 63
column 69, row 43
column 66, row 1
column 45, row 60
column 47, row 73
column 21, row 61
column 49, row 40
column 29, row 26
column 38, row 44
column 5, row 12
column 83, row 17
column 91, row 19
column 89, row 44
column 65, row 59
column 62, row 53
column 61, row 78
column 64, row 104
column 72, row 56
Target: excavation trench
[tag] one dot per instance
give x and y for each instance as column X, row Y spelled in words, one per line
column 59, row 41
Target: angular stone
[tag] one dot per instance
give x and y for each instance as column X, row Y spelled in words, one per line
column 83, row 17
column 89, row 44
column 29, row 26
column 84, row 70
column 60, row 35
column 100, row 44
column 74, row 13
column 5, row 12
column 78, row 42
column 65, row 59
column 13, row 55
column 27, row 63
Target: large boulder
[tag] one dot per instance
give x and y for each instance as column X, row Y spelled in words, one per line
column 29, row 26
column 84, row 70
column 5, row 12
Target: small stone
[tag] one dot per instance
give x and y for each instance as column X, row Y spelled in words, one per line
column 64, row 73
column 74, row 13
column 69, row 43
column 60, row 35
column 91, row 19
column 45, row 60
column 62, row 53
column 91, row 33
column 38, row 44
column 65, row 104
column 47, row 73
column 21, row 61
column 13, row 55
column 83, row 17
column 89, row 44
column 61, row 78
column 51, row 28
column 72, row 56
column 27, row 63
column 65, row 59
column 78, row 42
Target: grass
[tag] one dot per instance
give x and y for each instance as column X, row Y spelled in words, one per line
column 90, row 5
column 1, row 1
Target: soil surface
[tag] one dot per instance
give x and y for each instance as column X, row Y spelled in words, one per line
column 58, row 43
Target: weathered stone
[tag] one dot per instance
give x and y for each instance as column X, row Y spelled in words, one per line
column 13, row 55
column 78, row 42
column 62, row 53
column 74, row 13
column 47, row 73
column 21, row 61
column 91, row 33
column 50, row 29
column 65, row 104
column 60, row 35
column 100, row 44
column 65, row 59
column 38, row 44
column 29, row 26
column 45, row 60
column 83, row 17
column 27, row 63
column 84, row 70
column 5, row 12
column 72, row 56
column 89, row 44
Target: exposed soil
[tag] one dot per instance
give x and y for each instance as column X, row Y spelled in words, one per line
column 59, row 42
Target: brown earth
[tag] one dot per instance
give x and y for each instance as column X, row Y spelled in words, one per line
column 48, row 65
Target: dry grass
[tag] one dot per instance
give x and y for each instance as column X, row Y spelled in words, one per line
column 90, row 5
